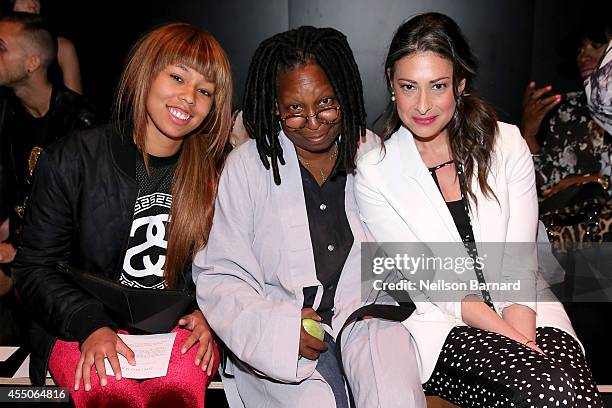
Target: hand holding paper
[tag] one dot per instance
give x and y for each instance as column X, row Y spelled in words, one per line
column 101, row 345
column 152, row 355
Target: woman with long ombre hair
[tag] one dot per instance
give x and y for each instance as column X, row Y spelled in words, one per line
column 130, row 202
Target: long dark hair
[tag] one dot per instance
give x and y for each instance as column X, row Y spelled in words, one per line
column 473, row 126
column 329, row 49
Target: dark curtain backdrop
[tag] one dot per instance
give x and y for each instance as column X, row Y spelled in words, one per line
column 514, row 39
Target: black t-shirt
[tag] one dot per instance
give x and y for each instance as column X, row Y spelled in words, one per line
column 26, row 132
column 26, row 136
column 143, row 265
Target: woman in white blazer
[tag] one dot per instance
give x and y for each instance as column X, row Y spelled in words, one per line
column 449, row 172
column 286, row 240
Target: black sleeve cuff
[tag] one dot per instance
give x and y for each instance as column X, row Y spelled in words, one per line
column 87, row 320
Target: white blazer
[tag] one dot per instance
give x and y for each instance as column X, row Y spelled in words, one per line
column 400, row 202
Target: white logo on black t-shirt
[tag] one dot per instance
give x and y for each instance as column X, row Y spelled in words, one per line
column 143, row 265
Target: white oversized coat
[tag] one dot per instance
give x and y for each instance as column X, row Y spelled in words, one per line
column 250, row 280
column 400, row 202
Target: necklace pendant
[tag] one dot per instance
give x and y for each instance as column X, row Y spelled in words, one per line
column 332, row 157
column 323, row 176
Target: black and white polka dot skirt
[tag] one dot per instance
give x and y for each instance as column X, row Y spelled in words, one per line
column 477, row 368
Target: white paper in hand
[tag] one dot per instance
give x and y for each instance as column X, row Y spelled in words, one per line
column 152, row 355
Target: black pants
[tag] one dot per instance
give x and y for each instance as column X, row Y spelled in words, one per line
column 477, row 368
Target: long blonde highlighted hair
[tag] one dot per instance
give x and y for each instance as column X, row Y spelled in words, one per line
column 194, row 185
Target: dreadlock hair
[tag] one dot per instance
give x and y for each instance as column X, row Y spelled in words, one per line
column 473, row 126
column 329, row 49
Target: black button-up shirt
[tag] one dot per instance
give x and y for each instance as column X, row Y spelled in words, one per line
column 330, row 234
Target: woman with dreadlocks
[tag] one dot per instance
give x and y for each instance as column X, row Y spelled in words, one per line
column 285, row 241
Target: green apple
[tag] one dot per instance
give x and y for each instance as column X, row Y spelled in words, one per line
column 314, row 328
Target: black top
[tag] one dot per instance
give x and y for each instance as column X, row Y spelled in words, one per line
column 23, row 137
column 330, row 234
column 79, row 215
column 26, row 136
column 143, row 265
column 461, row 216
column 462, row 220
column 26, row 131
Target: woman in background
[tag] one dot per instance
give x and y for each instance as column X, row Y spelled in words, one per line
column 571, row 147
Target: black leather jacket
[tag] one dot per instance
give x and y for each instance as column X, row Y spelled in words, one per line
column 80, row 213
column 68, row 111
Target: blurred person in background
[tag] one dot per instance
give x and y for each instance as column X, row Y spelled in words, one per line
column 568, row 145
column 67, row 58
column 34, row 113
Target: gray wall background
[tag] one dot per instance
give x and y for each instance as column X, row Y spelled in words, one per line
column 370, row 25
column 503, row 49
column 513, row 39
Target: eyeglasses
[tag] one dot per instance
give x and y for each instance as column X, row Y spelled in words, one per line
column 326, row 116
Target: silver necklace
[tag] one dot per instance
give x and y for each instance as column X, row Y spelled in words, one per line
column 331, row 157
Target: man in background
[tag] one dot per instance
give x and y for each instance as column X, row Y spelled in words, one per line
column 34, row 113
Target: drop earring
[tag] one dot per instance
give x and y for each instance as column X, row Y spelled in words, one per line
column 392, row 96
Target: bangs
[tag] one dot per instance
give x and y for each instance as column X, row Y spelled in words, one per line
column 175, row 44
column 198, row 50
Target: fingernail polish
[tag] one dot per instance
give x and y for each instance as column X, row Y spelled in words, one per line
column 549, row 87
column 87, row 387
column 558, row 97
column 183, row 351
column 103, row 382
column 198, row 361
column 204, row 368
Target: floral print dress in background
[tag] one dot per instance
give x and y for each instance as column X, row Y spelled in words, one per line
column 573, row 144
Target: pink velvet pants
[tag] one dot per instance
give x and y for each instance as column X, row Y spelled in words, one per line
column 183, row 386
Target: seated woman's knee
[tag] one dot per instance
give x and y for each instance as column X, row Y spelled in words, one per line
column 551, row 386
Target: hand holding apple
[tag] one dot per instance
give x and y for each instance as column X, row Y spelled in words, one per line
column 314, row 328
column 310, row 346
